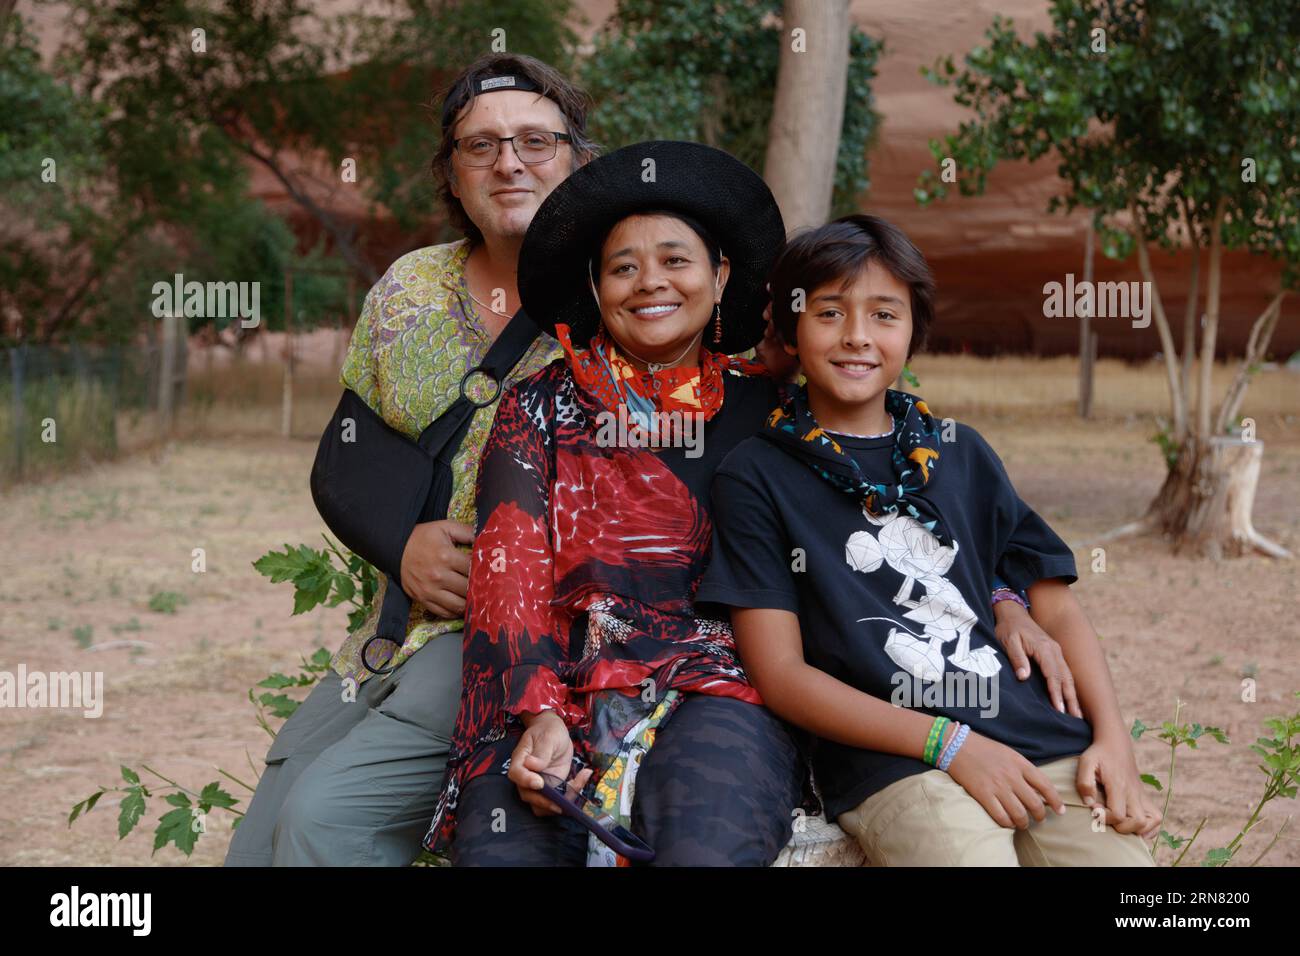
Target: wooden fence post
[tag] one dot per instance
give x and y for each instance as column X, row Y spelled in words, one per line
column 286, row 402
column 16, row 407
column 181, row 362
column 167, row 374
column 1087, row 339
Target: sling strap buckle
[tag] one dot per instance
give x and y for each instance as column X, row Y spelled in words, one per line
column 487, row 374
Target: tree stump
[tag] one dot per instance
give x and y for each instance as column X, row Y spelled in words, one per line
column 1206, row 502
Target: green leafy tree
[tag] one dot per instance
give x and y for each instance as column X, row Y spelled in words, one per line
column 174, row 102
column 98, row 208
column 1176, row 124
column 705, row 71
column 198, row 89
column 298, row 91
column 404, row 57
column 56, row 225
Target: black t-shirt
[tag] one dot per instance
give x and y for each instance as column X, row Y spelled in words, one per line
column 882, row 605
column 746, row 402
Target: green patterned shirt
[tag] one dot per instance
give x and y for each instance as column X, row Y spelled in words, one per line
column 418, row 334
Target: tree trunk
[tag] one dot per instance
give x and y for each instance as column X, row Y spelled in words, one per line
column 1206, row 501
column 1190, row 314
column 6, row 10
column 1178, row 398
column 1213, row 287
column 1087, row 338
column 343, row 236
column 808, row 110
column 1261, row 332
column 286, row 391
column 1204, row 506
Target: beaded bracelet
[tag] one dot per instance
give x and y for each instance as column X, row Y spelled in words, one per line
column 957, row 729
column 931, row 753
column 1006, row 594
column 954, row 745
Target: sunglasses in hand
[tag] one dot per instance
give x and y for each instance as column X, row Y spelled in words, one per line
column 573, row 803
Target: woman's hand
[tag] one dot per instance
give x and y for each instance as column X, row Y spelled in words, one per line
column 1022, row 639
column 1004, row 783
column 545, row 747
column 783, row 366
column 1110, row 762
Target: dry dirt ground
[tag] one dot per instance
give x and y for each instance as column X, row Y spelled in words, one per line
column 83, row 554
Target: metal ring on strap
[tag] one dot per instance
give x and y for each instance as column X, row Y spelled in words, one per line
column 365, row 654
column 486, row 374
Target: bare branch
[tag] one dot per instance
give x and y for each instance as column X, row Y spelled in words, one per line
column 1213, row 298
column 6, row 11
column 1256, row 348
column 342, row 236
column 64, row 312
column 1193, row 290
column 1177, row 396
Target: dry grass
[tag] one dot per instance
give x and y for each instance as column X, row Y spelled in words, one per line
column 1121, row 389
column 239, row 399
column 245, row 398
column 65, row 423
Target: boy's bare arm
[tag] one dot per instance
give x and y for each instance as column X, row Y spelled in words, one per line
column 1110, row 763
column 1023, row 639
column 1058, row 612
column 1008, row 786
column 771, row 648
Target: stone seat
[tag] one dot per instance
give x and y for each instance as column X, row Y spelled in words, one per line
column 818, row 842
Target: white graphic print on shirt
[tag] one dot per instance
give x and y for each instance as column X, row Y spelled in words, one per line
column 910, row 549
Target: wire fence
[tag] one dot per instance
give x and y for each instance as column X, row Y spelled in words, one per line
column 60, row 406
column 63, row 407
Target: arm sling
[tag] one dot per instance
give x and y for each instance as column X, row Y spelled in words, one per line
column 372, row 485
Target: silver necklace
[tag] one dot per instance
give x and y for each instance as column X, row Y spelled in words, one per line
column 477, row 300
column 481, row 302
column 852, row 435
column 653, row 367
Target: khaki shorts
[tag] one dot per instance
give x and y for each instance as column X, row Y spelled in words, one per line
column 928, row 819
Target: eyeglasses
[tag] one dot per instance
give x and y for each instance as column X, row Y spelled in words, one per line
column 531, row 146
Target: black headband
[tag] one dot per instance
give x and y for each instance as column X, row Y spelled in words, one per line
column 486, row 84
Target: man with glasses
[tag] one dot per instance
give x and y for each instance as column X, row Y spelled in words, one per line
column 353, row 775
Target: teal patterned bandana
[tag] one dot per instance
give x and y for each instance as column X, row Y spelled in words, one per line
column 792, row 428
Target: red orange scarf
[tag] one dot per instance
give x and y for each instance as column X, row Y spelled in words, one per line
column 683, row 388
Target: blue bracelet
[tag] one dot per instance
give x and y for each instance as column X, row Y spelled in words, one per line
column 954, row 745
column 956, row 729
column 949, row 751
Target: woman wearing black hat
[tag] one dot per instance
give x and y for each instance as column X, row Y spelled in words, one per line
column 583, row 650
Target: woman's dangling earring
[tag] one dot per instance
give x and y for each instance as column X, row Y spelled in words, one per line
column 717, row 323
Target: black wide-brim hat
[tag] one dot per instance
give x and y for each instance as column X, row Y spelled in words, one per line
column 709, row 185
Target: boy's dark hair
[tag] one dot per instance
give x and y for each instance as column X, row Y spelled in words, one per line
column 572, row 100
column 839, row 250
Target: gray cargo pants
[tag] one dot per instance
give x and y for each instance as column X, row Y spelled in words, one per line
column 355, row 783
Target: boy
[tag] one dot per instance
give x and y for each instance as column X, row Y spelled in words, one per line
column 857, row 539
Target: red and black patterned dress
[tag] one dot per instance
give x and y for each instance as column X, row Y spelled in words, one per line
column 584, row 571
